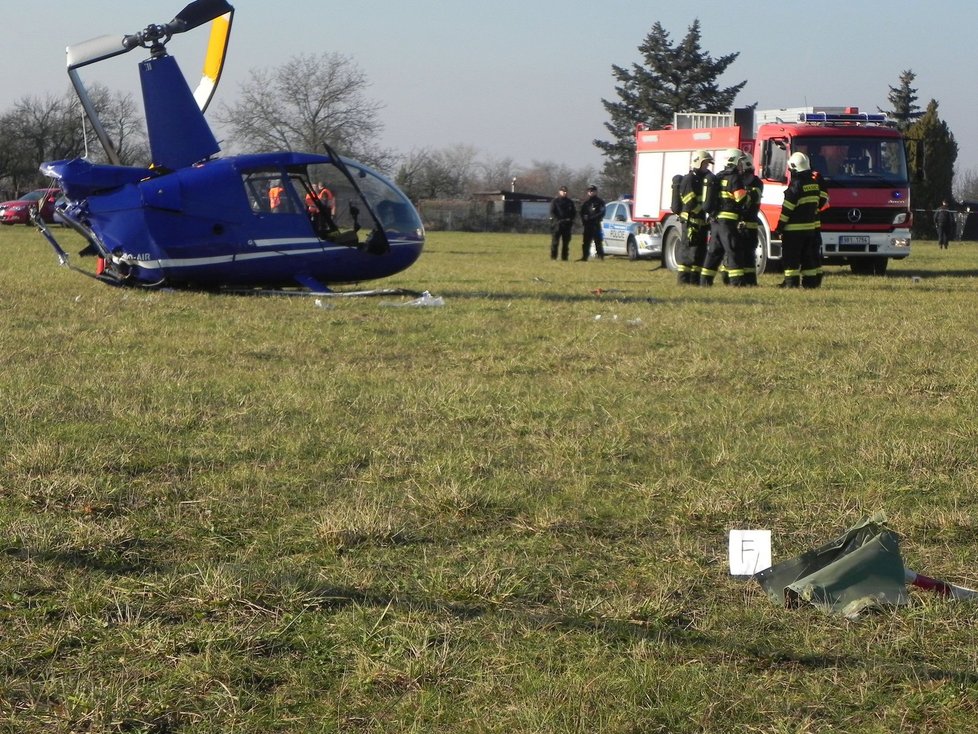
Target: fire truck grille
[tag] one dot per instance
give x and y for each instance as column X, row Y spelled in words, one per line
column 858, row 218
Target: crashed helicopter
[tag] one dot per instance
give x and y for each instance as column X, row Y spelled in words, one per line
column 194, row 219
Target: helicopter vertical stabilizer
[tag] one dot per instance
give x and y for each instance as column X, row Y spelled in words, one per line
column 179, row 135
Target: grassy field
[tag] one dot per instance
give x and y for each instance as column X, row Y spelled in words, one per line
column 505, row 514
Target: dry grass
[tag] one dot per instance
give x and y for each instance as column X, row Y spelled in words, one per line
column 506, row 514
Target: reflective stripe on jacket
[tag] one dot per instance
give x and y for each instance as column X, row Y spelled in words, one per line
column 732, row 193
column 803, row 200
column 691, row 192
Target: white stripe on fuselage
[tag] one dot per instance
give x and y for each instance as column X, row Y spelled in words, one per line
column 189, row 262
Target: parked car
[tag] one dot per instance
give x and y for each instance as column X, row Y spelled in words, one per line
column 624, row 236
column 18, row 211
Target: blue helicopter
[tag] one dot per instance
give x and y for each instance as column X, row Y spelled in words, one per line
column 192, row 219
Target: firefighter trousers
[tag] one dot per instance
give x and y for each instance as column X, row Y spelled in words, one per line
column 801, row 254
column 692, row 249
column 721, row 248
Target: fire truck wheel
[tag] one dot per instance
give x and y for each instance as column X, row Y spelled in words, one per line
column 760, row 253
column 669, row 246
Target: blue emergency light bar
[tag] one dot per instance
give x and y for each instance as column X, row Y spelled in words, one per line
column 841, row 117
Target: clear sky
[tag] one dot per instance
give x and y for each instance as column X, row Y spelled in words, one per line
column 524, row 79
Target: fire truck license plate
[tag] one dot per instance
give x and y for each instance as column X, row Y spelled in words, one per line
column 853, row 240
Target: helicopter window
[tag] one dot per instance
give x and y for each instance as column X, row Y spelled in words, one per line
column 270, row 193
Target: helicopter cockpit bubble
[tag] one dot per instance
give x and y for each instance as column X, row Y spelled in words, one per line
column 389, row 209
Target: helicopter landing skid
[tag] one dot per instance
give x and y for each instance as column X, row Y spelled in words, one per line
column 321, row 294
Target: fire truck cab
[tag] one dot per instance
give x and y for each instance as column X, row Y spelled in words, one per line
column 860, row 157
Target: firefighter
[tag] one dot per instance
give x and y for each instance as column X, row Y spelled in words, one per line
column 815, row 279
column 592, row 212
column 725, row 202
column 747, row 239
column 692, row 250
column 798, row 225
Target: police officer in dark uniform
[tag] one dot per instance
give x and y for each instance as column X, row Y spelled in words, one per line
column 726, row 205
column 562, row 213
column 944, row 222
column 592, row 212
column 799, row 225
column 695, row 230
column 750, row 224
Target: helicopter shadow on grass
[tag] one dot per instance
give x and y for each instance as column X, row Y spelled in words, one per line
column 929, row 273
column 606, row 296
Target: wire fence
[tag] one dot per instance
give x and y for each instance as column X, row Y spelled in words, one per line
column 465, row 215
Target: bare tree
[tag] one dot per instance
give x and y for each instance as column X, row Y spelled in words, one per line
column 303, row 103
column 121, row 120
column 545, row 177
column 496, row 174
column 449, row 173
column 966, row 185
column 37, row 130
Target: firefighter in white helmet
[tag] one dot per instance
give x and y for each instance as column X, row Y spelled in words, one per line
column 799, row 224
column 747, row 235
column 725, row 203
column 695, row 231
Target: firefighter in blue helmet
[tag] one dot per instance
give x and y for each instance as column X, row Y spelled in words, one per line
column 799, row 225
column 725, row 203
column 750, row 224
column 695, row 229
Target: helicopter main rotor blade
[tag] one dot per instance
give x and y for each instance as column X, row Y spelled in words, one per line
column 217, row 47
column 198, row 13
column 96, row 49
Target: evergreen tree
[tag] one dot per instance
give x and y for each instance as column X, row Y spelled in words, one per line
column 939, row 153
column 905, row 112
column 681, row 78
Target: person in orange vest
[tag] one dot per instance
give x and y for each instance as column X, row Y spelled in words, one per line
column 275, row 192
column 312, row 208
column 326, row 198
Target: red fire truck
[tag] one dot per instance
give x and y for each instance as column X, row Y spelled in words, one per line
column 861, row 157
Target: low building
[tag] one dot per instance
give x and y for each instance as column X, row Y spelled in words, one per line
column 515, row 203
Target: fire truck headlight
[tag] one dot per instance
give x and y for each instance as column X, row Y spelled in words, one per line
column 900, row 218
column 899, row 242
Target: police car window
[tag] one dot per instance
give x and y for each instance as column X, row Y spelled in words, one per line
column 620, row 214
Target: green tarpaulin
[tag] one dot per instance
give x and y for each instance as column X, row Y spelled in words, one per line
column 859, row 570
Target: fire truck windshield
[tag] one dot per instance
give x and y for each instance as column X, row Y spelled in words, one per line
column 856, row 161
